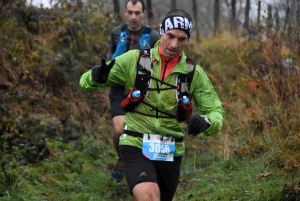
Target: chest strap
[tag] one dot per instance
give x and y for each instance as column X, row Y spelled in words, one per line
column 141, row 135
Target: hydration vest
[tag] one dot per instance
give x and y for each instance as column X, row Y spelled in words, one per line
column 144, row 79
column 122, row 43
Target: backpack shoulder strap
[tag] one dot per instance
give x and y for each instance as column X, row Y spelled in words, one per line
column 123, row 27
column 191, row 66
column 144, row 60
column 144, row 70
column 185, row 80
column 144, row 78
column 147, row 30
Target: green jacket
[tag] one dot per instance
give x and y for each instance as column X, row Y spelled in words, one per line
column 204, row 96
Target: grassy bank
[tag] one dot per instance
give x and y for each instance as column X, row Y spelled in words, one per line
column 55, row 141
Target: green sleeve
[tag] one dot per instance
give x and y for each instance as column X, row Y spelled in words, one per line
column 87, row 84
column 121, row 73
column 207, row 101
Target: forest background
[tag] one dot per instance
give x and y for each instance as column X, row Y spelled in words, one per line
column 55, row 141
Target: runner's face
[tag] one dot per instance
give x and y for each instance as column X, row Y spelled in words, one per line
column 134, row 15
column 172, row 42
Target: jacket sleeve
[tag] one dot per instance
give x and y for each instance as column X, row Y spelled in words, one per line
column 207, row 101
column 87, row 84
column 119, row 74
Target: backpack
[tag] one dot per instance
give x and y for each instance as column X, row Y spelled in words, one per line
column 122, row 43
column 143, row 81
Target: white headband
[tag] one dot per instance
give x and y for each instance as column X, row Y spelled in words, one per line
column 176, row 22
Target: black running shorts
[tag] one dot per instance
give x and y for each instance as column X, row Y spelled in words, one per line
column 138, row 169
column 116, row 96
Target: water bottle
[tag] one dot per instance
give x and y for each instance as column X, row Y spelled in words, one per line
column 136, row 94
column 131, row 101
column 185, row 100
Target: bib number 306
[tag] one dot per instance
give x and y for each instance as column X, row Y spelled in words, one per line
column 156, row 147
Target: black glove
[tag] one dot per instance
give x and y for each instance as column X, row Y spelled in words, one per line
column 100, row 73
column 197, row 124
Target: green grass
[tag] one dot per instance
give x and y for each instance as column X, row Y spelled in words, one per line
column 69, row 174
column 232, row 179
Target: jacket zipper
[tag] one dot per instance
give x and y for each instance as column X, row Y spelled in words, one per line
column 165, row 68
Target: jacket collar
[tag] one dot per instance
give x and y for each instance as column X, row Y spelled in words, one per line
column 181, row 66
column 171, row 61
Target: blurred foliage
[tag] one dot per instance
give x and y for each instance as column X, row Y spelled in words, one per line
column 259, row 93
column 43, row 53
column 55, row 140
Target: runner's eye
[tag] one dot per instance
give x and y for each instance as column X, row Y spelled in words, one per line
column 182, row 39
column 171, row 36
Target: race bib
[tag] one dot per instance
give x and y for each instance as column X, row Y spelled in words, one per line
column 158, row 148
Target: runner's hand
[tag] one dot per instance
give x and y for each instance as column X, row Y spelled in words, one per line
column 100, row 73
column 196, row 125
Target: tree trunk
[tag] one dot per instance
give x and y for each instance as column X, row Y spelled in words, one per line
column 216, row 17
column 149, row 12
column 287, row 17
column 269, row 18
column 298, row 13
column 233, row 16
column 298, row 17
column 173, row 4
column 277, row 19
column 258, row 12
column 195, row 20
column 247, row 12
column 117, row 8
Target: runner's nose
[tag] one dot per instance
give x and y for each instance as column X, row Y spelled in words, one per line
column 174, row 43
